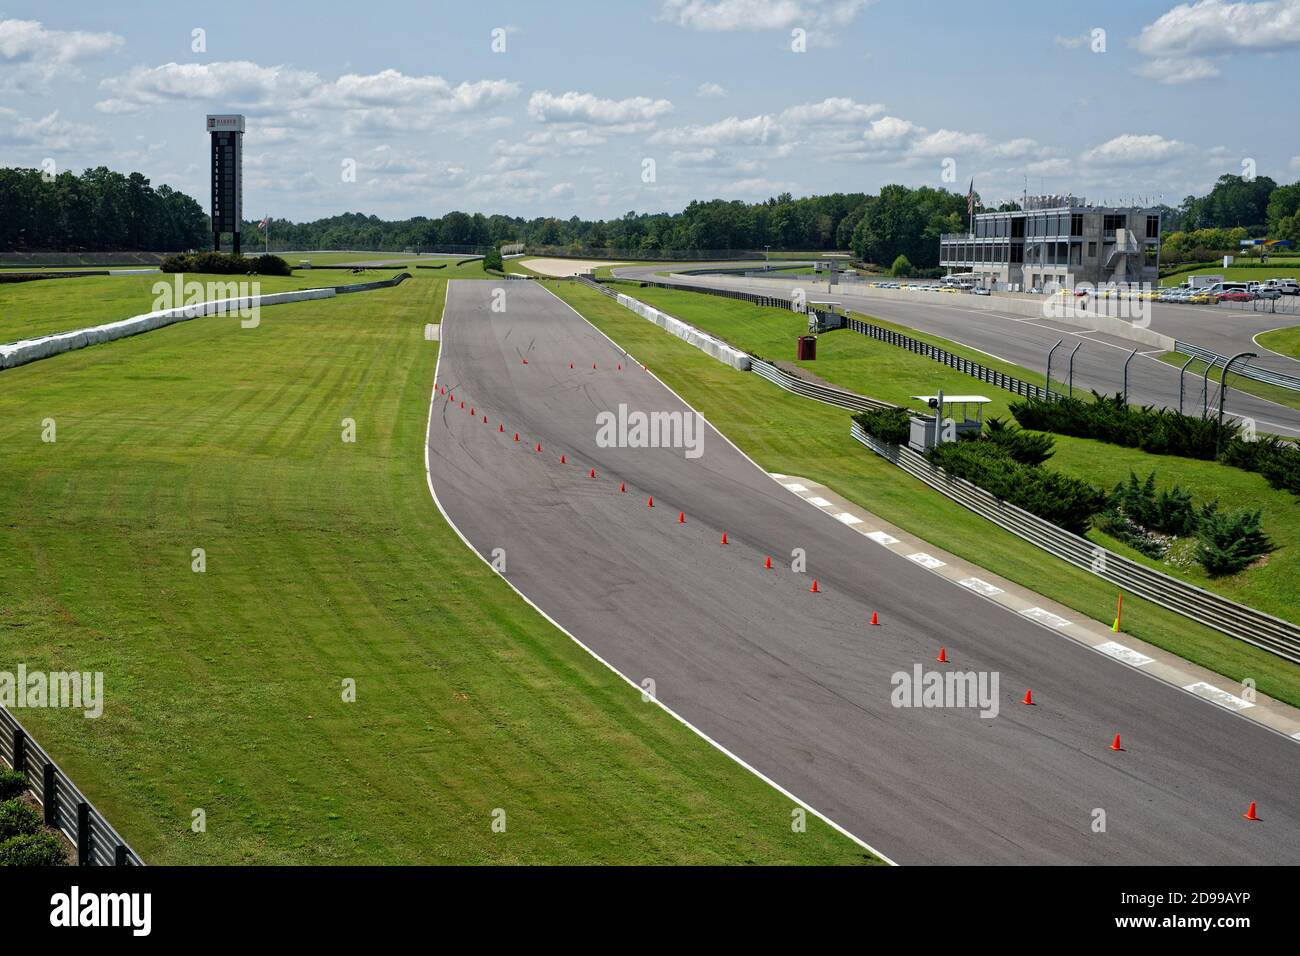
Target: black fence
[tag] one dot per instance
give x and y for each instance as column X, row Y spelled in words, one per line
column 66, row 808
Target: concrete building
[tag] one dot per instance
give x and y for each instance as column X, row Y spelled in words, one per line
column 1057, row 240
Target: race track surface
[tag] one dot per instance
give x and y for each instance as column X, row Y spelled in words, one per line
column 1099, row 363
column 796, row 683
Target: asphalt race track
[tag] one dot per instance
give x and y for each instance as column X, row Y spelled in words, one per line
column 1100, row 360
column 796, row 683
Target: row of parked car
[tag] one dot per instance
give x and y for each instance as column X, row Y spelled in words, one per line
column 1229, row 292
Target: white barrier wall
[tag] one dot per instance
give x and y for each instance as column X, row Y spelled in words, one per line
column 701, row 340
column 31, row 350
column 1064, row 310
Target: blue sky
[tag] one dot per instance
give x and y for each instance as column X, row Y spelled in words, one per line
column 1111, row 100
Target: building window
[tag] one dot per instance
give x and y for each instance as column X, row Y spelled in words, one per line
column 1076, row 224
column 1092, row 250
column 1153, row 227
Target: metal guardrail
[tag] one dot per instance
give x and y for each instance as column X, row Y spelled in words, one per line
column 959, row 363
column 822, row 393
column 1204, row 607
column 66, row 808
column 1212, row 610
column 1267, row 376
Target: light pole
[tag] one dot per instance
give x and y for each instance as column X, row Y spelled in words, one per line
column 1050, row 352
column 1070, row 376
column 1223, row 397
column 1126, row 362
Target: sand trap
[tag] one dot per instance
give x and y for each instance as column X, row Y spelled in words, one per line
column 566, row 267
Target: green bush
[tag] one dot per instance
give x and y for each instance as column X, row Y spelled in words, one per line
column 1110, row 419
column 892, row 425
column 1228, row 542
column 1028, row 448
column 1170, row 511
column 39, row 849
column 1067, row 502
column 18, row 819
column 12, row 784
column 1278, row 461
column 492, row 261
column 902, row 268
column 220, row 263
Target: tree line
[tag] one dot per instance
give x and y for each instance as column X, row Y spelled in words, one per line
column 102, row 210
column 98, row 211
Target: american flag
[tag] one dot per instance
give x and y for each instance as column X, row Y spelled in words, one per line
column 970, row 198
column 265, row 220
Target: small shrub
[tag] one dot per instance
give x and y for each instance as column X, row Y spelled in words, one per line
column 12, row 784
column 220, row 263
column 902, row 268
column 39, row 849
column 1228, row 542
column 492, row 260
column 18, row 819
column 892, row 425
column 1028, row 448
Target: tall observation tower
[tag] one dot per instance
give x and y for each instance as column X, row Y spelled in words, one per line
column 227, row 131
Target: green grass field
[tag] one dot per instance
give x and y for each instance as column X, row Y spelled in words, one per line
column 776, row 428
column 325, row 561
column 1284, row 341
column 1235, row 273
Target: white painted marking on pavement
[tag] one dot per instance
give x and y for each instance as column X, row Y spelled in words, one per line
column 1126, row 654
column 1044, row 616
column 983, row 587
column 819, row 502
column 848, row 518
column 795, row 486
column 881, row 538
column 1216, row 696
column 925, row 560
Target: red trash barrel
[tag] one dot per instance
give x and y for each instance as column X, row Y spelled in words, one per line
column 807, row 350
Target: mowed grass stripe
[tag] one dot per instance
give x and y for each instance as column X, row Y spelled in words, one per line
column 324, row 561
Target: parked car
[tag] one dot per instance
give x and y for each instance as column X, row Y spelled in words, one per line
column 1268, row 293
column 1237, row 297
column 980, row 290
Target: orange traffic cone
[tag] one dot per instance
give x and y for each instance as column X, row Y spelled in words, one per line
column 650, row 502
column 1250, row 813
column 620, row 366
column 485, row 420
column 473, row 410
column 462, row 404
column 570, row 365
column 501, row 428
column 724, row 537
column 875, row 619
column 1114, row 744
column 1029, row 698
column 1119, row 614
column 768, row 563
column 592, row 473
column 561, row 459
column 943, row 655
column 516, row 436
column 681, row 517
column 622, row 486
column 815, row 589
column 539, row 446
column 525, row 361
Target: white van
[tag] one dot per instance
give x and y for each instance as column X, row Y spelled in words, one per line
column 1285, row 286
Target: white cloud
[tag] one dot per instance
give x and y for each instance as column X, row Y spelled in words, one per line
column 1212, row 26
column 1135, row 150
column 706, row 91
column 889, row 132
column 572, row 107
column 726, row 132
column 832, row 110
column 48, row 133
column 28, row 41
column 946, row 142
column 731, row 15
column 236, row 84
column 392, row 88
column 1173, row 70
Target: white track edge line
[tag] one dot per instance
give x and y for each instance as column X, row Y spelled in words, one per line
column 631, row 683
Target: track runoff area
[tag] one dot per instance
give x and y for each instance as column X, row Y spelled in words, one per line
column 804, row 651
column 727, row 600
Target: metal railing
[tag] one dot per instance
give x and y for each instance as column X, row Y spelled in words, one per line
column 66, row 808
column 822, row 393
column 1204, row 607
column 1254, row 372
column 958, row 363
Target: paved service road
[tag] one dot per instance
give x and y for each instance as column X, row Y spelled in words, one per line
column 1099, row 363
column 796, row 683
